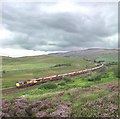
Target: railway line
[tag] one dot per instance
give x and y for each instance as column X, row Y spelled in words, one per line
column 16, row 90
column 30, row 84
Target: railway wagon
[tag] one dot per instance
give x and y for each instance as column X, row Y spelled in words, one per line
column 52, row 78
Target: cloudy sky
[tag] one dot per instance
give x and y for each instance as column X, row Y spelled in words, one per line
column 61, row 25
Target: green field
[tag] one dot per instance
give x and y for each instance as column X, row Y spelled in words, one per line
column 110, row 57
column 74, row 82
column 22, row 67
column 18, row 69
column 76, row 94
column 89, row 95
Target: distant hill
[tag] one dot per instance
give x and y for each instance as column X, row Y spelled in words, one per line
column 91, row 54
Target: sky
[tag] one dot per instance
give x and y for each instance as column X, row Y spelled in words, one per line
column 35, row 28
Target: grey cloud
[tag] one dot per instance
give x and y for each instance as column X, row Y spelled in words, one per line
column 39, row 30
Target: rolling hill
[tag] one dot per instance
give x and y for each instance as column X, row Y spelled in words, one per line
column 94, row 94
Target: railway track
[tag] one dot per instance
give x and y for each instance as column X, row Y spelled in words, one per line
column 15, row 90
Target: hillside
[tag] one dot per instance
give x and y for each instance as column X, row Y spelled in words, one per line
column 92, row 54
column 25, row 68
column 94, row 94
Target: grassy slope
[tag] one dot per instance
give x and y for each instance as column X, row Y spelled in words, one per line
column 110, row 57
column 86, row 98
column 78, row 81
column 93, row 54
column 25, row 68
column 82, row 95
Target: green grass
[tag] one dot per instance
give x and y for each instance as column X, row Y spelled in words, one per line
column 76, row 90
column 77, row 109
column 75, row 82
column 109, row 57
column 26, row 66
column 17, row 69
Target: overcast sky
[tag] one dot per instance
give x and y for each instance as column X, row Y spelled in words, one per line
column 57, row 26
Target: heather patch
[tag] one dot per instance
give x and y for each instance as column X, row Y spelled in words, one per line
column 95, row 101
column 62, row 111
column 104, row 107
column 21, row 107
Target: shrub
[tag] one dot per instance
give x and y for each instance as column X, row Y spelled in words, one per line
column 62, row 83
column 67, row 79
column 90, row 79
column 48, row 86
column 3, row 71
column 58, row 65
column 105, row 75
column 86, row 86
column 95, row 77
column 116, row 72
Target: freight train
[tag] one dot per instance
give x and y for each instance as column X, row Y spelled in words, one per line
column 55, row 77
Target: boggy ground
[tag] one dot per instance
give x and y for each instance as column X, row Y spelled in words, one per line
column 95, row 101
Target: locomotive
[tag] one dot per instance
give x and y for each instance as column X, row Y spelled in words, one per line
column 31, row 82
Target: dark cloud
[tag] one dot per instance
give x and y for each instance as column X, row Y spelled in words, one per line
column 41, row 26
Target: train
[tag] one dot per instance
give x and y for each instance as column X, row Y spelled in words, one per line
column 22, row 84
